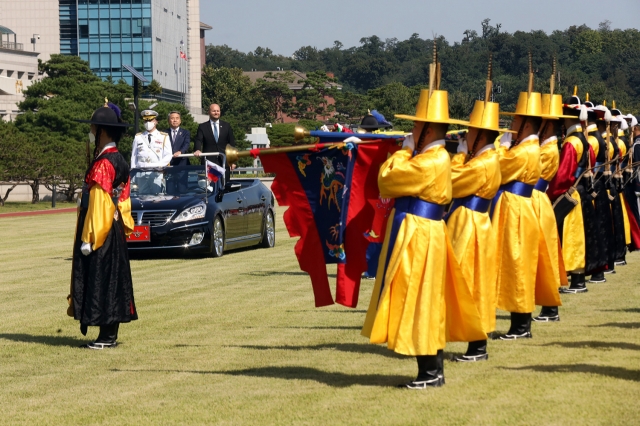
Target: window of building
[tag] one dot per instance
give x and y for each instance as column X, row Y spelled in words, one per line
column 115, row 27
column 125, row 25
column 84, row 30
column 104, row 27
column 93, row 28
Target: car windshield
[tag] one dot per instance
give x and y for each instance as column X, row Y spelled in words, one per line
column 175, row 181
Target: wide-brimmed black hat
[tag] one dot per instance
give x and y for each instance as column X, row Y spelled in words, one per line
column 373, row 121
column 106, row 116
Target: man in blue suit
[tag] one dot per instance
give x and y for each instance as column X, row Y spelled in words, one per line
column 180, row 139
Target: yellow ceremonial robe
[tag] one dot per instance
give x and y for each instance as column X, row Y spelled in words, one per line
column 471, row 233
column 424, row 300
column 573, row 241
column 100, row 215
column 516, row 228
column 550, row 273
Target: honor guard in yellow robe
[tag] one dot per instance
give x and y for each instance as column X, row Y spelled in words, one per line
column 575, row 157
column 551, row 272
column 618, row 176
column 420, row 299
column 514, row 219
column 475, row 177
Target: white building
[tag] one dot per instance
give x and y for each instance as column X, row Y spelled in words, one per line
column 258, row 139
column 18, row 69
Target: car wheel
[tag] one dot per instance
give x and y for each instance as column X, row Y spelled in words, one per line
column 269, row 231
column 217, row 238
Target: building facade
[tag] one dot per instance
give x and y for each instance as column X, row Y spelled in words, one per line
column 161, row 39
column 18, row 69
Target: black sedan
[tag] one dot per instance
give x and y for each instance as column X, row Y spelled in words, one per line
column 179, row 208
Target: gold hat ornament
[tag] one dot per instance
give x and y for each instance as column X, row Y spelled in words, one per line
column 529, row 103
column 433, row 104
column 552, row 102
column 486, row 114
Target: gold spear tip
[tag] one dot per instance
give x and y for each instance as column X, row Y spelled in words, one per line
column 575, row 90
column 106, row 102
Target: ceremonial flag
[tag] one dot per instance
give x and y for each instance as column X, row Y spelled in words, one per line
column 214, row 171
column 183, row 55
column 331, row 193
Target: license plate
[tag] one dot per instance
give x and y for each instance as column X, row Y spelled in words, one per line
column 141, row 233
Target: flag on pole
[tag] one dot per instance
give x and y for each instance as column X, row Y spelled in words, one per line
column 183, row 55
column 214, row 171
column 331, row 193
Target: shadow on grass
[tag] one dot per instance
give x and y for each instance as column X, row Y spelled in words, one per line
column 333, row 379
column 628, row 310
column 503, row 317
column 279, row 273
column 61, row 258
column 619, row 325
column 615, row 372
column 342, row 347
column 45, row 340
column 596, row 345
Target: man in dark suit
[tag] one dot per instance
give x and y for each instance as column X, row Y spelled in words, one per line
column 214, row 136
column 180, row 139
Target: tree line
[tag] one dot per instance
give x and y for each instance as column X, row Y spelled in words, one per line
column 388, row 74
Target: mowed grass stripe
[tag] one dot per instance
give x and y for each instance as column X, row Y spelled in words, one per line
column 237, row 340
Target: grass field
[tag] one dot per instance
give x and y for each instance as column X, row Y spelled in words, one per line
column 237, row 340
column 11, row 207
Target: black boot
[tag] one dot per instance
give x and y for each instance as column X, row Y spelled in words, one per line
column 430, row 372
column 577, row 285
column 107, row 337
column 548, row 314
column 611, row 267
column 520, row 327
column 598, row 278
column 621, row 262
column 476, row 351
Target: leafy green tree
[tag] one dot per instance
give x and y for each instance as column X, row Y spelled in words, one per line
column 273, row 95
column 312, row 101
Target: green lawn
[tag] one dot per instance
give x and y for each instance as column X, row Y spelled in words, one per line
column 11, row 207
column 237, row 340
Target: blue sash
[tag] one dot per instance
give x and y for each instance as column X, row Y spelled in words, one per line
column 516, row 187
column 404, row 206
column 578, row 172
column 472, row 202
column 542, row 185
column 519, row 188
column 598, row 167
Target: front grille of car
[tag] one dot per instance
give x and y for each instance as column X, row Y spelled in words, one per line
column 153, row 217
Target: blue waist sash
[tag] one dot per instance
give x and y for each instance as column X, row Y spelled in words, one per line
column 519, row 188
column 542, row 185
column 598, row 167
column 472, row 202
column 578, row 172
column 418, row 207
column 404, row 206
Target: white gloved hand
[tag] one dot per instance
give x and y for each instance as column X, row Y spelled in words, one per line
column 505, row 140
column 462, row 146
column 352, row 139
column 409, row 142
column 85, row 248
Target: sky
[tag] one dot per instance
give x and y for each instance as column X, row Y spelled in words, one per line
column 286, row 25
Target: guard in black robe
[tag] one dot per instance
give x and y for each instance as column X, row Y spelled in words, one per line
column 101, row 285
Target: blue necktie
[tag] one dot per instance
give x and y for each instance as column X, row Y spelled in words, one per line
column 215, row 131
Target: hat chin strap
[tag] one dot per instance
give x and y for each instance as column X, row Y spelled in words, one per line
column 423, row 134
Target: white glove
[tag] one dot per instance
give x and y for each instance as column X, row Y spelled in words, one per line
column 505, row 140
column 408, row 142
column 352, row 139
column 462, row 146
column 85, row 248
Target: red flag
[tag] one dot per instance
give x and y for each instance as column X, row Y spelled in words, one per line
column 366, row 215
column 183, row 55
column 301, row 184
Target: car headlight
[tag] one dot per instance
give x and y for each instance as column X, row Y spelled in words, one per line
column 195, row 212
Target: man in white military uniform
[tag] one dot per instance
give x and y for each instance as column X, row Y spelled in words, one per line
column 151, row 149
